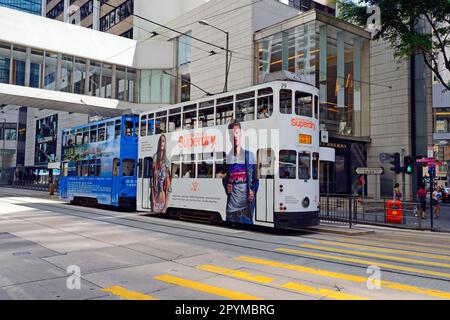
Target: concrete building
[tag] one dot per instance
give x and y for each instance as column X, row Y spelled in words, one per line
column 117, row 16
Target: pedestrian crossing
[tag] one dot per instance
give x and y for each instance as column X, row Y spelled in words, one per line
column 293, row 269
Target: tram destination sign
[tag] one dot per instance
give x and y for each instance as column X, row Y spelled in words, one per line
column 369, row 171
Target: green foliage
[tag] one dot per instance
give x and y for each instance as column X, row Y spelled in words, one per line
column 411, row 26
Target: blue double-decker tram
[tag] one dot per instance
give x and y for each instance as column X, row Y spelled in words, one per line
column 99, row 163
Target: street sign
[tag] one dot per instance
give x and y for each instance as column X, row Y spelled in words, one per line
column 385, row 157
column 369, row 171
column 323, row 136
column 430, row 152
column 429, row 161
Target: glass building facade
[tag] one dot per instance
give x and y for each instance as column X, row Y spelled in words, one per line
column 55, row 71
column 333, row 56
column 30, row 6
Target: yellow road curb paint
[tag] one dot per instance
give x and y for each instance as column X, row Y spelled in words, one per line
column 295, row 286
column 376, row 255
column 194, row 285
column 366, row 262
column 130, row 295
column 343, row 276
column 369, row 248
column 416, row 244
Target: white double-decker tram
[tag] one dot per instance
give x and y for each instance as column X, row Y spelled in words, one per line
column 249, row 156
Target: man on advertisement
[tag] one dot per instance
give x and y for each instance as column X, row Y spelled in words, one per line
column 241, row 181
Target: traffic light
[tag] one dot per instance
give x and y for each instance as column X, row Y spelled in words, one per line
column 408, row 164
column 395, row 161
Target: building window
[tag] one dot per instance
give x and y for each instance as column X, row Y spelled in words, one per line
column 86, row 9
column 116, row 16
column 128, row 34
column 56, row 10
column 184, row 66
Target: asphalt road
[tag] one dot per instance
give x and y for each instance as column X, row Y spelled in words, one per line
column 46, row 246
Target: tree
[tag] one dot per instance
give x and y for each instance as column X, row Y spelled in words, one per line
column 398, row 25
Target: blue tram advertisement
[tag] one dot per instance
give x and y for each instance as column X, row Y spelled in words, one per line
column 99, row 163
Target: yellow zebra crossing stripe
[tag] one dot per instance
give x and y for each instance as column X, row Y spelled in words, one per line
column 376, row 255
column 198, row 286
column 344, row 276
column 294, row 286
column 403, row 252
column 129, row 295
column 366, row 262
column 392, row 245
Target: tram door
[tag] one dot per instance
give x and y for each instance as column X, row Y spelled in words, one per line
column 265, row 194
column 115, row 181
column 147, row 178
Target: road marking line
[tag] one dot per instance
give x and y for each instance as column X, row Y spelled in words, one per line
column 234, row 295
column 295, row 286
column 235, row 273
column 415, row 243
column 366, row 262
column 130, row 295
column 393, row 245
column 343, row 276
column 321, row 291
column 376, row 255
column 369, row 248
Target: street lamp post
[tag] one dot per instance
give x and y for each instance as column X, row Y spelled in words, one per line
column 227, row 66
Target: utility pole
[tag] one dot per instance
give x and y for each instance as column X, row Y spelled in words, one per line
column 3, row 150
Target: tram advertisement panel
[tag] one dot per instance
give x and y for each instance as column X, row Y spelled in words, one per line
column 94, row 161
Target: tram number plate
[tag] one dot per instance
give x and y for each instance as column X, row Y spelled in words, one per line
column 304, row 138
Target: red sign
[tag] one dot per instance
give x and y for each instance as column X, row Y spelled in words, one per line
column 430, row 161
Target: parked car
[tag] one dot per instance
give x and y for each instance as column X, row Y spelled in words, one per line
column 446, row 195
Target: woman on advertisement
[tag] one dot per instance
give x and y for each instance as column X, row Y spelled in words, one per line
column 160, row 187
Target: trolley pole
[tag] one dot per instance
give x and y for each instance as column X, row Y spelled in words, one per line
column 431, row 198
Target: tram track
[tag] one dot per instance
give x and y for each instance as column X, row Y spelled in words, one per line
column 142, row 223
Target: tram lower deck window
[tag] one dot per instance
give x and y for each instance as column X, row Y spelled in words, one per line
column 304, row 166
column 288, row 164
column 128, row 168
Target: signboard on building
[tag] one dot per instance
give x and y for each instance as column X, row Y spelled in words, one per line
column 369, row 171
column 46, row 135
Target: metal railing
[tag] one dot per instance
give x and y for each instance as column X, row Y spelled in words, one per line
column 351, row 210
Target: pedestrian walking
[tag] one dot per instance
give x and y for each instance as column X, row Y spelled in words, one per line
column 436, row 198
column 397, row 192
column 422, row 197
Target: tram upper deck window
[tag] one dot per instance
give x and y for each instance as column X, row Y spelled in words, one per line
column 101, row 132
column 110, row 130
column 245, row 106
column 86, row 135
column 286, row 101
column 287, row 164
column 143, row 125
column 117, row 128
column 79, row 137
column 129, row 128
column 128, row 168
column 161, row 122
column 174, row 120
column 93, row 134
column 190, row 117
column 151, row 124
column 265, row 103
column 303, row 104
column 224, row 110
column 206, row 114
column 71, row 138
column 304, row 166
